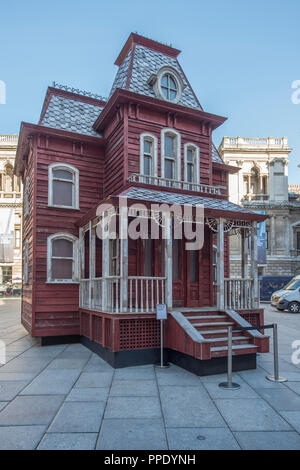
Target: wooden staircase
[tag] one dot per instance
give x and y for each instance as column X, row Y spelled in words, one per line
column 213, row 327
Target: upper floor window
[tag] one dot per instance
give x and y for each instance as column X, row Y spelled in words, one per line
column 170, row 154
column 63, row 190
column 148, row 155
column 62, row 259
column 26, row 261
column 191, row 163
column 169, row 84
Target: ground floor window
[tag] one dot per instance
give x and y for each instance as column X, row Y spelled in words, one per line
column 6, row 274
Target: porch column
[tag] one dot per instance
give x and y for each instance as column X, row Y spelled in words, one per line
column 245, row 251
column 254, row 267
column 92, row 263
column 168, row 262
column 81, row 265
column 105, row 267
column 220, row 265
column 124, row 259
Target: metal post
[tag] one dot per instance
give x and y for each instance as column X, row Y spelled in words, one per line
column 161, row 343
column 229, row 384
column 275, row 377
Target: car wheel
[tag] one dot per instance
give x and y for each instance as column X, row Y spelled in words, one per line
column 294, row 307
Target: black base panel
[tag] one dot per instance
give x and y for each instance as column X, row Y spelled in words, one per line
column 55, row 340
column 139, row 357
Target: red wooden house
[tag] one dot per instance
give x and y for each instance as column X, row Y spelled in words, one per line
column 150, row 143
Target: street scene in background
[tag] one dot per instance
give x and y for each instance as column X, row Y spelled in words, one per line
column 149, row 239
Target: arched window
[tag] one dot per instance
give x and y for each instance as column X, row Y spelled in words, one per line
column 191, row 164
column 62, row 258
column 170, row 155
column 148, row 155
column 63, row 189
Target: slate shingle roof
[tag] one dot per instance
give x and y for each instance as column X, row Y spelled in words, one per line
column 216, row 156
column 145, row 63
column 71, row 115
column 181, row 199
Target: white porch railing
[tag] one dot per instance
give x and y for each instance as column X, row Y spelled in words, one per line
column 238, row 293
column 104, row 294
column 157, row 180
column 145, row 293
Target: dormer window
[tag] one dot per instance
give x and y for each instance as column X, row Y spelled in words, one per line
column 168, row 84
column 169, row 87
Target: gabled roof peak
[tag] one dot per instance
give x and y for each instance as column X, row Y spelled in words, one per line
column 136, row 39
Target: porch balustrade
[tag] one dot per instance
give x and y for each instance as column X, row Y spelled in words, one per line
column 104, row 294
column 238, row 293
column 158, row 181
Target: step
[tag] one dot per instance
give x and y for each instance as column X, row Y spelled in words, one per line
column 225, row 338
column 213, row 324
column 219, row 351
column 201, row 317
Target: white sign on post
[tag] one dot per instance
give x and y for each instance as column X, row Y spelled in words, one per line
column 161, row 312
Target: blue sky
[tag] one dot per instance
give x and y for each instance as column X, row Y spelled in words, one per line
column 240, row 56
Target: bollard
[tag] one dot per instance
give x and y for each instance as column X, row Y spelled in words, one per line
column 275, row 377
column 162, row 365
column 229, row 385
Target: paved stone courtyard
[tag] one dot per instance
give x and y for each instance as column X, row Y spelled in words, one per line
column 65, row 397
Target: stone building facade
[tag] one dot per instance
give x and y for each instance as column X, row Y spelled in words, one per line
column 262, row 185
column 10, row 214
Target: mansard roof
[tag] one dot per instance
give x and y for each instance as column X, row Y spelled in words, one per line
column 69, row 112
column 144, row 59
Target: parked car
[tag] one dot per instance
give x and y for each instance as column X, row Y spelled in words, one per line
column 288, row 298
column 9, row 290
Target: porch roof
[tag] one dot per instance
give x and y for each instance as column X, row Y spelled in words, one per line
column 210, row 204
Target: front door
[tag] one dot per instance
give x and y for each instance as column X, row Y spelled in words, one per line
column 186, row 276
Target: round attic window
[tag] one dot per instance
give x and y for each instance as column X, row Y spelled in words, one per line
column 169, row 85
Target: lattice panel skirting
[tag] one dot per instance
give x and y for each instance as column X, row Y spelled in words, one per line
column 139, row 334
column 252, row 318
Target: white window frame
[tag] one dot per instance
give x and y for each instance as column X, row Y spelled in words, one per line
column 26, row 197
column 75, row 271
column 173, row 133
column 26, row 261
column 153, row 139
column 177, row 79
column 75, row 183
column 196, row 162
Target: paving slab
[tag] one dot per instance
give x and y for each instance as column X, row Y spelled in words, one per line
column 295, row 386
column 94, row 379
column 217, row 392
column 293, row 418
column 78, row 417
column 67, row 363
column 268, row 440
column 17, row 376
column 257, row 379
column 133, row 407
column 281, row 400
column 132, row 434
column 135, row 373
column 88, row 394
column 250, row 414
column 3, row 404
column 136, row 388
column 68, row 441
column 25, row 364
column 189, row 406
column 52, row 382
column 20, row 437
column 10, row 389
column 174, row 375
column 201, row 439
column 27, row 410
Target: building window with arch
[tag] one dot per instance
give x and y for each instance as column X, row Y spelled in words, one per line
column 148, row 155
column 168, row 84
column 62, row 258
column 191, row 164
column 170, row 155
column 63, row 186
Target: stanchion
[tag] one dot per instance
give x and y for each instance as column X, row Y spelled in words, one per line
column 229, row 385
column 161, row 314
column 275, row 377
